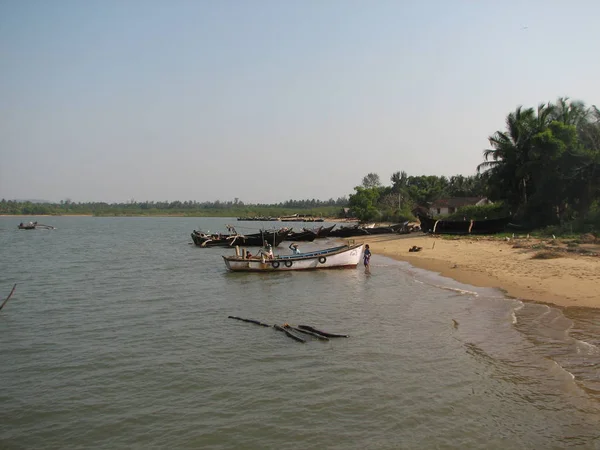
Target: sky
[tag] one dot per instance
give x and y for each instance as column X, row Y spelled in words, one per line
column 270, row 100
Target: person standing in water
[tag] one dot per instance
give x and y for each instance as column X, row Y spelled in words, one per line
column 367, row 258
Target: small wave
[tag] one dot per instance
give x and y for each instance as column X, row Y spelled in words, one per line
column 542, row 315
column 513, row 313
column 520, row 306
column 586, row 347
column 460, row 291
column 563, row 370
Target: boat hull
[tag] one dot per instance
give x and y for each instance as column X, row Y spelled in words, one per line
column 344, row 232
column 302, row 236
column 487, row 226
column 249, row 240
column 344, row 257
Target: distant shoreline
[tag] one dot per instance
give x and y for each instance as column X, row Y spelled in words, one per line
column 29, row 216
column 46, row 215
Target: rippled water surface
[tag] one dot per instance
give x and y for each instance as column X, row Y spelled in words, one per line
column 118, row 336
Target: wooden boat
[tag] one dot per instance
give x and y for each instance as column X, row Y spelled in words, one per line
column 342, row 257
column 348, row 232
column 229, row 240
column 322, row 232
column 485, row 226
column 290, row 218
column 301, row 236
column 34, row 226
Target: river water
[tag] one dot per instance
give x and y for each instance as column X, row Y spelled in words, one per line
column 118, row 336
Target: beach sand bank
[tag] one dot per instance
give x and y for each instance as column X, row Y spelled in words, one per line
column 567, row 279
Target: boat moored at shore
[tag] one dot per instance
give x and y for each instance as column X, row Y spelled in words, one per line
column 441, row 226
column 342, row 257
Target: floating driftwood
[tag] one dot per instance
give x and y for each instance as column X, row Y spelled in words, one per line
column 250, row 321
column 8, row 298
column 290, row 330
column 311, row 333
column 289, row 333
column 322, row 333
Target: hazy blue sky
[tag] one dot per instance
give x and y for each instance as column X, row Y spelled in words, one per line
column 109, row 100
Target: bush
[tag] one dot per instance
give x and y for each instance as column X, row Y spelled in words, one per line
column 491, row 211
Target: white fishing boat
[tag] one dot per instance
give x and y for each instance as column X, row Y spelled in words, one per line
column 342, row 257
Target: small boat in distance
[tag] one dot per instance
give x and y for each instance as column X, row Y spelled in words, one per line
column 342, row 257
column 34, row 226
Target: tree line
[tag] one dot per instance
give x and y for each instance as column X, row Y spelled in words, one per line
column 186, row 208
column 543, row 169
column 373, row 201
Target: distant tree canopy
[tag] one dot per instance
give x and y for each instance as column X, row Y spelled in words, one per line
column 236, row 207
column 371, row 180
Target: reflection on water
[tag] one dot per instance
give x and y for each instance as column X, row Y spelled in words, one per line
column 118, row 337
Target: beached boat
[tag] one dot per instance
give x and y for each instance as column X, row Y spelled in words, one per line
column 322, row 232
column 345, row 256
column 387, row 229
column 485, row 226
column 350, row 231
column 301, row 236
column 290, row 218
column 230, row 240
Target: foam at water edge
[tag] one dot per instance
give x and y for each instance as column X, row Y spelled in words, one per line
column 563, row 370
column 588, row 349
column 460, row 291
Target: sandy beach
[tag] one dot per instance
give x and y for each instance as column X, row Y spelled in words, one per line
column 549, row 271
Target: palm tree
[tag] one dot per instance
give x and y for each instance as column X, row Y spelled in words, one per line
column 509, row 151
column 570, row 112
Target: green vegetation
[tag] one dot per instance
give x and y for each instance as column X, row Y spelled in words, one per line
column 544, row 170
column 397, row 202
column 546, row 165
column 491, row 211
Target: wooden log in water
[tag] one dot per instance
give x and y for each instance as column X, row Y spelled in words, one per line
column 289, row 333
column 250, row 321
column 322, row 333
column 311, row 333
column 9, row 296
column 287, row 329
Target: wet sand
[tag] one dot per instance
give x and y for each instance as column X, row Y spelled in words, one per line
column 569, row 279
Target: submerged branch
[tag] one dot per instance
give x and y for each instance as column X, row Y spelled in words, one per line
column 9, row 296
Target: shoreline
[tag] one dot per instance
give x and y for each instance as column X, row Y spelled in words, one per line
column 565, row 279
column 329, row 219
